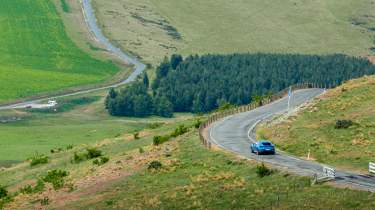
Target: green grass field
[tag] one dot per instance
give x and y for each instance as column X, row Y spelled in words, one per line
column 78, row 120
column 221, row 26
column 37, row 56
column 314, row 128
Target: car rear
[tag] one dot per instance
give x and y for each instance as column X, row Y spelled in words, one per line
column 266, row 148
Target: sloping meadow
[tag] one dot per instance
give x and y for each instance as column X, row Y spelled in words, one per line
column 36, row 54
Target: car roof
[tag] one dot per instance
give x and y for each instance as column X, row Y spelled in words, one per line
column 264, row 141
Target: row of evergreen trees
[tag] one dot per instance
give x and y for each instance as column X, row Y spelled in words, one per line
column 203, row 83
column 135, row 101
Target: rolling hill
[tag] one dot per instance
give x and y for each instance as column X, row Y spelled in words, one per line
column 154, row 28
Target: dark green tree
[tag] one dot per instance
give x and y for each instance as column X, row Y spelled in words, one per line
column 146, row 81
column 163, row 107
column 111, row 96
column 176, row 60
column 163, row 69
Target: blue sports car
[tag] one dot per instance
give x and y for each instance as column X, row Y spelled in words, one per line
column 263, row 147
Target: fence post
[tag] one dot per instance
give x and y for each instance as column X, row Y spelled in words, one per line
column 371, row 167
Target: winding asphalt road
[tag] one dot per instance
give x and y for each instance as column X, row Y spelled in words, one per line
column 91, row 21
column 235, row 133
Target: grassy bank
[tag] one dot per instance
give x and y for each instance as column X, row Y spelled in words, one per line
column 313, row 129
column 37, row 56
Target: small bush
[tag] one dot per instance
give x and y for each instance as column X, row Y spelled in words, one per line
column 77, row 158
column 28, row 189
column 95, row 162
column 343, row 124
column 104, row 159
column 197, row 123
column 69, row 147
column 223, row 106
column 160, row 139
column 156, row 165
column 155, row 125
column 263, row 171
column 56, row 150
column 141, row 150
column 90, row 153
column 180, row 131
column 93, row 153
column 3, row 192
column 110, row 202
column 56, row 178
column 44, row 201
column 136, row 135
column 38, row 159
column 39, row 186
column 101, row 161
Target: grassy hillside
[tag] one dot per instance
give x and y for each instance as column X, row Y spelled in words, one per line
column 314, row 127
column 221, row 26
column 191, row 177
column 37, row 56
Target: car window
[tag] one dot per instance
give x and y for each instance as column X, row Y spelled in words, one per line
column 266, row 144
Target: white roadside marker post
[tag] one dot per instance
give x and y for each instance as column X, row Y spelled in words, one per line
column 308, row 155
column 371, row 167
column 289, row 97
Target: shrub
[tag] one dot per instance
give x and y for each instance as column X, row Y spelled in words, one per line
column 197, row 123
column 39, row 186
column 263, row 171
column 223, row 106
column 155, row 125
column 77, row 158
column 136, row 135
column 343, row 124
column 90, row 153
column 180, row 131
column 141, row 150
column 69, row 147
column 44, row 201
column 160, row 139
column 3, row 192
column 104, row 159
column 100, row 161
column 93, row 153
column 57, row 150
column 38, row 159
column 56, row 178
column 28, row 189
column 110, row 202
column 156, row 165
column 96, row 162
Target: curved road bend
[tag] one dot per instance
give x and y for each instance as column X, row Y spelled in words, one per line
column 99, row 36
column 235, row 133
